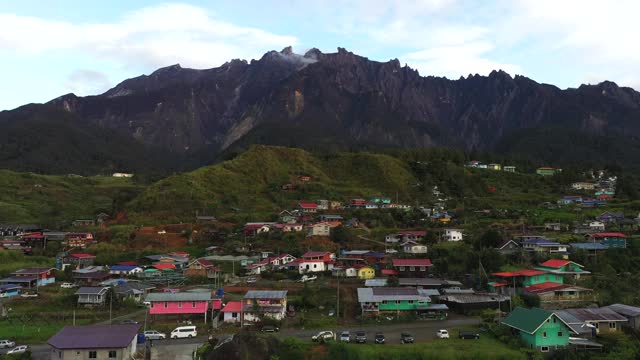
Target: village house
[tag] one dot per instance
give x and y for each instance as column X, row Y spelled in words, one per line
column 467, row 301
column 125, row 270
column 329, row 217
column 452, row 235
column 583, row 185
column 551, row 294
column 175, row 260
column 608, row 239
column 363, row 256
column 181, row 303
column 43, row 275
column 291, row 227
column 92, row 295
column 508, row 247
column 308, row 207
column 406, row 235
column 357, row 203
column 365, row 272
column 547, row 171
column 570, row 199
column 232, row 312
column 412, row 247
column 78, row 260
column 202, row 268
column 90, row 278
column 509, row 168
column 610, row 217
column 135, row 290
column 268, row 263
column 631, row 313
column 556, row 227
column 286, row 217
column 9, row 290
column 264, row 303
column 414, row 268
column 323, row 204
column 79, row 240
column 539, row 329
column 376, row 300
column 345, row 271
column 602, row 320
column 496, row 167
column 563, row 267
column 542, row 245
column 335, row 205
column 319, row 229
column 95, row 342
column 253, row 229
column 312, row 261
column 83, row 222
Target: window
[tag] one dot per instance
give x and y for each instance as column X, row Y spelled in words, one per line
column 166, row 304
column 554, row 319
column 384, row 302
column 234, row 315
column 422, row 268
column 612, row 325
column 152, row 304
column 412, row 268
column 397, row 302
column 180, row 304
column 315, row 266
column 410, row 301
column 544, row 334
column 93, row 355
column 193, row 304
column 544, row 349
column 559, row 333
column 401, row 268
column 112, row 354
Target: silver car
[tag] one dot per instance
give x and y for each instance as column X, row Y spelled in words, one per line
column 7, row 344
column 154, row 335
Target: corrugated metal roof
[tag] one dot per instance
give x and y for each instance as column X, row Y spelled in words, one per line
column 375, row 282
column 180, row 296
column 625, row 310
column 370, row 295
column 91, row 290
column 94, row 337
column 266, row 294
column 596, row 314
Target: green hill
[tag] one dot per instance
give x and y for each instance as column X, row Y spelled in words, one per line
column 251, row 183
column 53, row 201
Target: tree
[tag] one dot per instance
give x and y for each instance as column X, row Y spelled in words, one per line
column 341, row 235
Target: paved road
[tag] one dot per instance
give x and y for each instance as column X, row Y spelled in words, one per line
column 421, row 330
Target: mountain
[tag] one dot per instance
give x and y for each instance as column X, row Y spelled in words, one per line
column 341, row 101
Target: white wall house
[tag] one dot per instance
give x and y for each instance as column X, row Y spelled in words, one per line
column 452, row 235
column 412, row 247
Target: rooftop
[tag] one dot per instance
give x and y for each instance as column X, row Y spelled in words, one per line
column 179, row 296
column 94, row 337
column 626, row 310
column 411, row 262
column 91, row 290
column 266, row 294
column 232, row 306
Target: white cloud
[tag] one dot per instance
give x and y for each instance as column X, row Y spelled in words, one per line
column 152, row 37
column 458, row 60
column 86, row 82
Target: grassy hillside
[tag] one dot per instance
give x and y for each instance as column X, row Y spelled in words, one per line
column 250, row 184
column 55, row 200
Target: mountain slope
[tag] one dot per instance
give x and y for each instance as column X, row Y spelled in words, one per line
column 345, row 101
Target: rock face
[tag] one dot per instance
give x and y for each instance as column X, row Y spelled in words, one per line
column 347, row 101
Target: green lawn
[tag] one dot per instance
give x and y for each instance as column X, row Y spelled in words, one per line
column 484, row 348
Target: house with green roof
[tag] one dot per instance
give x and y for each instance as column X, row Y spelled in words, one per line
column 539, row 329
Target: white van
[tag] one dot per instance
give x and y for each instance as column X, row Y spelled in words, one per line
column 184, row 332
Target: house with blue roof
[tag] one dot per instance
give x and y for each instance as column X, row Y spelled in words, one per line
column 543, row 245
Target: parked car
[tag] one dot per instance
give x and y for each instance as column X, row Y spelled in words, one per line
column 345, row 336
column 18, row 349
column 251, row 280
column 331, row 313
column 270, row 328
column 361, row 337
column 154, row 335
column 468, row 335
column 442, row 334
column 323, row 336
column 306, row 278
column 29, row 295
column 68, row 285
column 406, row 338
column 128, row 321
column 182, row 332
column 7, row 344
column 379, row 339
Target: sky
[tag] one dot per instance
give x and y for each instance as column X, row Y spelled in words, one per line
column 51, row 48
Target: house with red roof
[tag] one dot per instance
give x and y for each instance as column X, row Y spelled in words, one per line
column 412, row 268
column 232, row 312
column 308, row 207
column 79, row 240
column 78, row 260
column 563, row 267
column 268, row 263
column 312, row 261
column 552, row 294
column 202, row 268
